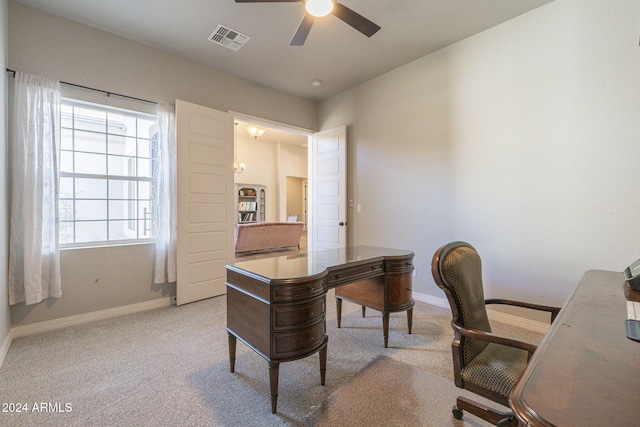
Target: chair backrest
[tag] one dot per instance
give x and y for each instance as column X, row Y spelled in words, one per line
column 292, row 218
column 457, row 270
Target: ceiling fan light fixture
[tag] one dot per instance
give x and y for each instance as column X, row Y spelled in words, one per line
column 319, row 8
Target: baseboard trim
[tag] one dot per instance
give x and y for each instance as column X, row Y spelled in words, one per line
column 521, row 322
column 4, row 349
column 49, row 325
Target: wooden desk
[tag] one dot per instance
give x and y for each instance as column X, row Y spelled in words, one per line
column 586, row 372
column 276, row 306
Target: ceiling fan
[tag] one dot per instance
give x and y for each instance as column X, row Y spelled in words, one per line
column 319, row 8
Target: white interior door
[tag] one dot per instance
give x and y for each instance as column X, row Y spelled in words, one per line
column 205, row 201
column 328, row 163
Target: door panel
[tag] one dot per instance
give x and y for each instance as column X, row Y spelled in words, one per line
column 205, row 201
column 329, row 189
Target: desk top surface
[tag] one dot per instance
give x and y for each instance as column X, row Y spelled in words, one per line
column 585, row 371
column 305, row 264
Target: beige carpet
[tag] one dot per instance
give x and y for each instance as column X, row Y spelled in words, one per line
column 170, row 367
column 406, row 395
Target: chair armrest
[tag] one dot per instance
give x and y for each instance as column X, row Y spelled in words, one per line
column 491, row 337
column 553, row 310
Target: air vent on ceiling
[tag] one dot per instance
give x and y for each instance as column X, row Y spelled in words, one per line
column 228, row 38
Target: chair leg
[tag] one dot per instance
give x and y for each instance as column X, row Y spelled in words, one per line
column 497, row 418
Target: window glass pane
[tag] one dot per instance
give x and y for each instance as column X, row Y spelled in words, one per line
column 143, row 148
column 90, row 163
column 122, row 166
column 98, row 143
column 65, row 210
column 90, row 141
column 144, row 168
column 87, row 188
column 66, row 232
column 145, row 228
column 122, row 145
column 121, row 125
column 91, row 210
column 89, row 119
column 66, row 142
column 122, row 189
column 91, row 231
column 67, row 116
column 66, row 161
column 119, row 230
column 119, row 209
column 144, row 188
column 66, row 187
column 146, row 128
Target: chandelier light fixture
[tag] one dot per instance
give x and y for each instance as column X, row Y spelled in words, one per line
column 237, row 167
column 255, row 131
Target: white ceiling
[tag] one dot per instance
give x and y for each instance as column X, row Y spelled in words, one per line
column 334, row 52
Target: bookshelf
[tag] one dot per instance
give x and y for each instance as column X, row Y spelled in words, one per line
column 251, row 203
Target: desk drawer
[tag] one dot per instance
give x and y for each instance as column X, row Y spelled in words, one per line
column 399, row 266
column 297, row 315
column 296, row 343
column 355, row 272
column 297, row 291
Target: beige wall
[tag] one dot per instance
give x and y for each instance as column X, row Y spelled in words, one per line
column 4, row 302
column 270, row 163
column 39, row 43
column 522, row 140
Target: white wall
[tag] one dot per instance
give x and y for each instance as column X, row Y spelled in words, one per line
column 39, row 43
column 4, row 291
column 523, row 140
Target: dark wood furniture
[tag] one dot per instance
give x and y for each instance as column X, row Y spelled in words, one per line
column 586, row 372
column 483, row 362
column 277, row 306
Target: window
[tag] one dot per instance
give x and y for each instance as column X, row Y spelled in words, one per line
column 106, row 174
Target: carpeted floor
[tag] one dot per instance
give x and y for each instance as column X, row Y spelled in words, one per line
column 169, row 367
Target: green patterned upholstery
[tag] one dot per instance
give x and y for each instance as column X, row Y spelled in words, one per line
column 491, row 366
column 496, row 368
column 462, row 270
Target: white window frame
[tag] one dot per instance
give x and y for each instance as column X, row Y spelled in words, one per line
column 138, row 236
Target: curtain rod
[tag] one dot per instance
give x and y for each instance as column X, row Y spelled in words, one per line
column 96, row 90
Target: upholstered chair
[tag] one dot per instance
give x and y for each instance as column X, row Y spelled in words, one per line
column 484, row 363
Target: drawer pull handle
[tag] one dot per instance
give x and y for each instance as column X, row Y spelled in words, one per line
column 310, row 313
column 311, row 338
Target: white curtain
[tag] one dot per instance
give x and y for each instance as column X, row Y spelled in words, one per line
column 34, row 256
column 164, row 200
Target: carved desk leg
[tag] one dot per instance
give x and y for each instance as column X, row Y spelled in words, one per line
column 323, row 363
column 339, row 310
column 232, row 352
column 274, row 369
column 385, row 328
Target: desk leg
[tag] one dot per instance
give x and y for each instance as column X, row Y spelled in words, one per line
column 274, row 369
column 232, row 352
column 323, row 364
column 339, row 310
column 410, row 318
column 385, row 328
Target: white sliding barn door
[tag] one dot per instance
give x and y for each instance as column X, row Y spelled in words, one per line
column 329, row 189
column 205, row 201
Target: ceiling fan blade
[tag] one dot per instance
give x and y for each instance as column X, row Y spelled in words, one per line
column 303, row 30
column 354, row 19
